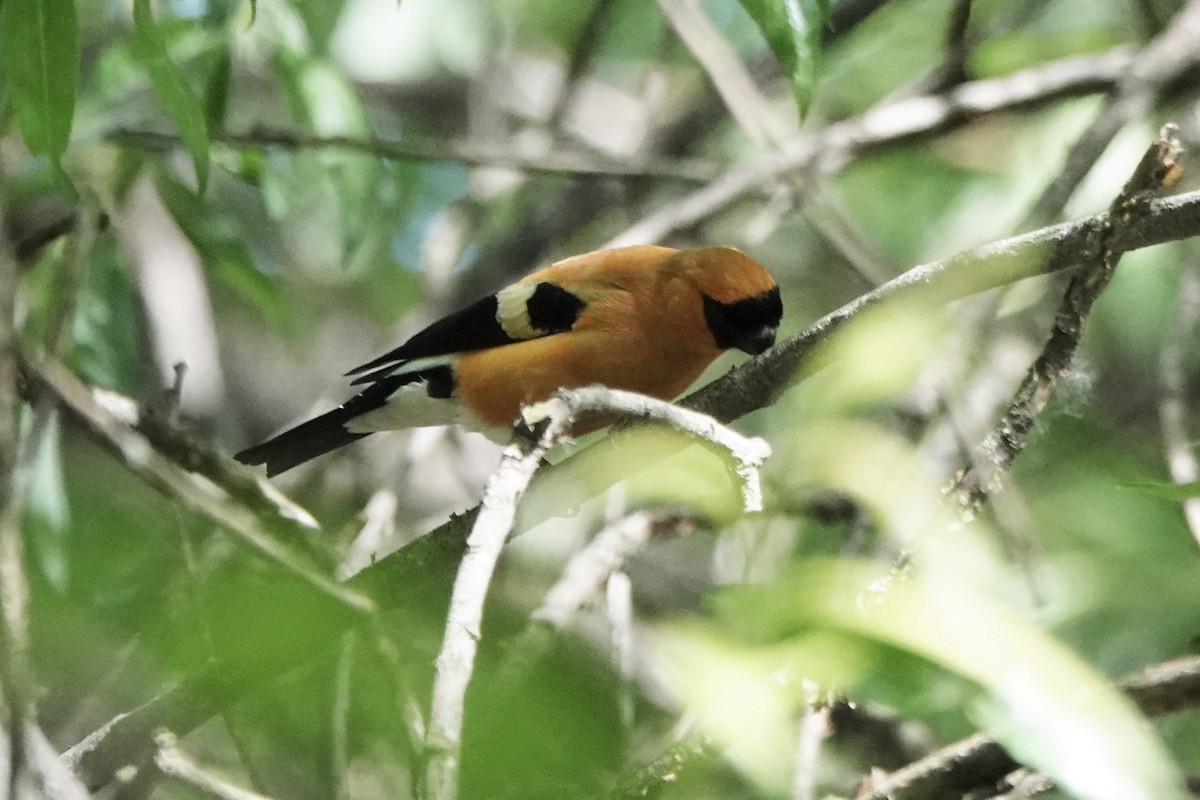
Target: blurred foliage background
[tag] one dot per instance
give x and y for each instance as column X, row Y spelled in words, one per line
column 271, row 192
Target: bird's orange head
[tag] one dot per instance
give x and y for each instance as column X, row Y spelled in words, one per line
column 742, row 307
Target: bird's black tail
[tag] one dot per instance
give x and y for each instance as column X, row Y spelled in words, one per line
column 305, row 441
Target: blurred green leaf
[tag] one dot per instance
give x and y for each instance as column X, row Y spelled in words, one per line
column 216, row 89
column 39, row 44
column 1019, row 49
column 177, row 97
column 49, row 514
column 108, row 327
column 793, row 30
column 653, row 465
column 327, row 199
column 1047, row 707
column 221, row 244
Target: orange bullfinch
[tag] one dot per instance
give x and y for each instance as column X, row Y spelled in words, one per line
column 646, row 319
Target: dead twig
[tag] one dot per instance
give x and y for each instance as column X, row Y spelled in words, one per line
column 1158, row 168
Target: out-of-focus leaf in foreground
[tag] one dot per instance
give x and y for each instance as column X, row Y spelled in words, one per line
column 1048, row 708
column 39, row 45
column 651, row 465
column 792, row 28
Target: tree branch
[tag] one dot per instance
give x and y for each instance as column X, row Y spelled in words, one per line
column 172, row 761
column 759, row 382
column 1161, row 61
column 581, row 581
column 825, row 152
column 416, row 149
column 167, row 476
column 1158, row 168
column 535, row 434
column 540, row 428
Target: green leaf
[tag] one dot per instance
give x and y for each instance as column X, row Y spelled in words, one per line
column 221, row 244
column 1047, row 707
column 1176, row 492
column 792, row 28
column 108, row 332
column 39, row 45
column 216, row 90
column 48, row 520
column 178, row 99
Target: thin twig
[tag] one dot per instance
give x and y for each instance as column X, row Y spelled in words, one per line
column 541, row 427
column 1158, row 168
column 815, row 727
column 588, row 569
column 414, row 149
column 168, row 477
column 581, row 581
column 618, row 611
column 825, row 152
column 1158, row 63
column 456, row 660
column 979, row 760
column 720, row 62
column 1173, row 405
column 748, row 453
column 195, row 453
column 172, row 761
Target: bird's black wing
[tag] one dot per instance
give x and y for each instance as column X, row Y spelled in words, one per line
column 547, row 309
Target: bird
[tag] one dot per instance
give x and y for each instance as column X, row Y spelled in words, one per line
column 645, row 318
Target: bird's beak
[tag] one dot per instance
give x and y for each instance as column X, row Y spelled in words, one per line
column 758, row 340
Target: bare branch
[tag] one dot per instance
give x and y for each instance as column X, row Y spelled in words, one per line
column 1158, row 168
column 584, row 576
column 538, row 432
column 172, row 761
column 748, row 453
column 758, row 382
column 720, row 62
column 541, row 427
column 416, row 149
column 1159, row 62
column 815, row 728
column 824, row 153
column 194, row 492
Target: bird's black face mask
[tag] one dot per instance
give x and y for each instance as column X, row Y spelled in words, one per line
column 749, row 325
